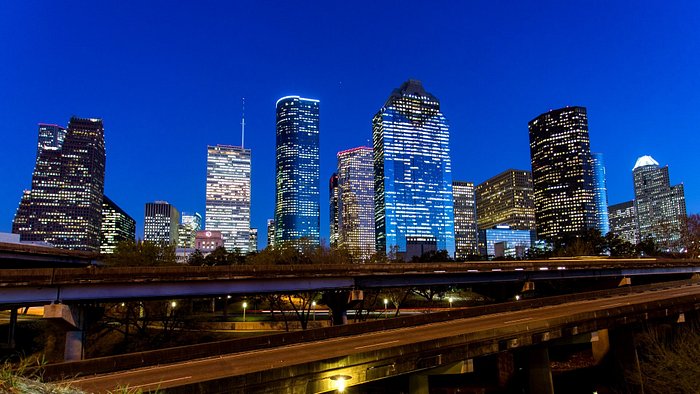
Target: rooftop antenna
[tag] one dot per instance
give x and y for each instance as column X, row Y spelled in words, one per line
column 243, row 124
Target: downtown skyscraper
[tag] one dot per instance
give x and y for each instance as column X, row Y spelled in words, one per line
column 297, row 192
column 190, row 223
column 64, row 205
column 161, row 222
column 506, row 199
column 228, row 195
column 412, row 172
column 623, row 221
column 660, row 207
column 117, row 226
column 562, row 173
column 600, row 189
column 356, row 201
column 465, row 219
column 334, row 213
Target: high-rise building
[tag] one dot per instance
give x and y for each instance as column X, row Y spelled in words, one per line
column 228, row 195
column 412, row 171
column 356, row 201
column 562, row 173
column 297, row 197
column 253, row 245
column 270, row 233
column 623, row 221
column 502, row 241
column 660, row 207
column 64, row 205
column 334, row 219
column 190, row 223
column 506, row 199
column 465, row 219
column 117, row 226
column 160, row 224
column 601, row 193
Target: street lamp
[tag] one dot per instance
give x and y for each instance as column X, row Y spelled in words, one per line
column 245, row 305
column 313, row 304
column 173, row 304
column 386, row 302
column 450, row 301
column 517, row 297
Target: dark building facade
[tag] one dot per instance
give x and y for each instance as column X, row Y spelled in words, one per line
column 660, row 207
column 161, row 223
column 623, row 221
column 562, row 173
column 334, row 219
column 412, row 171
column 465, row 219
column 117, row 226
column 64, row 205
column 297, row 197
column 506, row 199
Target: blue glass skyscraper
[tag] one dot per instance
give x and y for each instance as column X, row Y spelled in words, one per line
column 412, row 172
column 297, row 198
column 600, row 191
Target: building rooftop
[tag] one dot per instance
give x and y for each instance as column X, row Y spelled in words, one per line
column 645, row 161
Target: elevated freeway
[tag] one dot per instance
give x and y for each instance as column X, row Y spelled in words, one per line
column 73, row 285
column 312, row 366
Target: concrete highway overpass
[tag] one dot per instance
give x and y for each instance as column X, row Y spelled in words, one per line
column 442, row 340
column 22, row 287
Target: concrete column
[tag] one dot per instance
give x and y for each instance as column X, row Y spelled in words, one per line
column 624, row 352
column 337, row 301
column 418, row 384
column 506, row 367
column 11, row 329
column 600, row 345
column 74, row 346
column 539, row 371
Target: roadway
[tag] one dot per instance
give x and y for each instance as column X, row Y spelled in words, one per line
column 333, row 352
column 70, row 285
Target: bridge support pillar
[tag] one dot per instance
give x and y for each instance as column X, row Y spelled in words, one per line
column 71, row 319
column 600, row 345
column 539, row 370
column 625, row 359
column 11, row 330
column 418, row 384
column 337, row 301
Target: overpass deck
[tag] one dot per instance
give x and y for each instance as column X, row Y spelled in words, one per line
column 308, row 367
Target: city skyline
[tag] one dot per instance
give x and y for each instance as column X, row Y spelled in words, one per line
column 625, row 117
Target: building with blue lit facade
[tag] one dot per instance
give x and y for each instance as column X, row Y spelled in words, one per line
column 502, row 241
column 412, row 171
column 600, row 191
column 297, row 197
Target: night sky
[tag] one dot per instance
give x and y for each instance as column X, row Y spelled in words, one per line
column 168, row 78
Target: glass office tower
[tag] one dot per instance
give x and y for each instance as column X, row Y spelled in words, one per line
column 506, row 199
column 623, row 221
column 228, row 195
column 64, row 205
column 356, row 201
column 601, row 193
column 161, row 222
column 334, row 219
column 190, row 223
column 412, row 171
column 297, row 197
column 117, row 226
column 465, row 219
column 562, row 173
column 660, row 207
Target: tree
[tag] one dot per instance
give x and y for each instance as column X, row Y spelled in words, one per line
column 141, row 254
column 196, row 258
column 619, row 247
column 691, row 236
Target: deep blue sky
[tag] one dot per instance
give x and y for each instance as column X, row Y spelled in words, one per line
column 167, row 78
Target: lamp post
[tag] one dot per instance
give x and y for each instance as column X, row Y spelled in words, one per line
column 517, row 297
column 313, row 304
column 245, row 305
column 450, row 301
column 386, row 302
